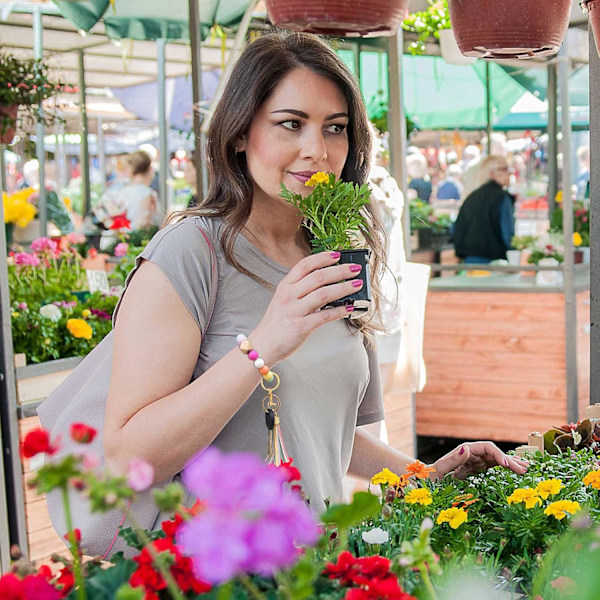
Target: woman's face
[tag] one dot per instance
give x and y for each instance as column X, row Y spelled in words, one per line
column 299, row 130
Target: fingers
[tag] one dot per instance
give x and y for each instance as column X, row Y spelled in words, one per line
column 327, row 316
column 309, row 264
column 495, row 456
column 327, row 294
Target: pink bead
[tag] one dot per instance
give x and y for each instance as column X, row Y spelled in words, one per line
column 253, row 355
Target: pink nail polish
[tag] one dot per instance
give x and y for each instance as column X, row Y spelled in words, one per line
column 349, row 308
column 355, row 268
column 335, row 255
column 357, row 283
column 506, row 462
column 462, row 450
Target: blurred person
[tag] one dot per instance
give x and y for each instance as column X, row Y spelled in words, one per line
column 416, row 168
column 473, row 176
column 190, row 176
column 154, row 155
column 583, row 177
column 485, row 224
column 451, row 188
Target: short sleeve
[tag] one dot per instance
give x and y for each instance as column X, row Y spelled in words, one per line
column 371, row 407
column 182, row 253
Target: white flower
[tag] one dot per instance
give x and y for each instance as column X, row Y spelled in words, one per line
column 427, row 524
column 51, row 311
column 577, row 438
column 376, row 536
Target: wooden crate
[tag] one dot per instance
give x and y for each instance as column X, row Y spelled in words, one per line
column 496, row 365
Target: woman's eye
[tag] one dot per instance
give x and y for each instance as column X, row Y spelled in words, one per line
column 292, row 124
column 336, row 128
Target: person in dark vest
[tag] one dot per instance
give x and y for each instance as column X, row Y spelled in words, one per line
column 485, row 224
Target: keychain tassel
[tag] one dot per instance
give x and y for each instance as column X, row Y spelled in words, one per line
column 277, row 452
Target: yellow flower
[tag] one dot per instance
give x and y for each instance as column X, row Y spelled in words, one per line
column 577, row 241
column 527, row 495
column 67, row 202
column 316, row 178
column 561, row 508
column 385, row 476
column 593, row 479
column 85, row 313
column 17, row 209
column 455, row 517
column 548, row 488
column 15, row 314
column 79, row 328
column 419, row 496
column 47, row 341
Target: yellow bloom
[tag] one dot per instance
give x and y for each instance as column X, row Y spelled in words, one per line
column 17, row 209
column 67, row 202
column 85, row 313
column 79, row 328
column 15, row 314
column 527, row 495
column 385, row 476
column 419, row 496
column 593, row 479
column 455, row 517
column 577, row 241
column 316, row 178
column 561, row 508
column 549, row 488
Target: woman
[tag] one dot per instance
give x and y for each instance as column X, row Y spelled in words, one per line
column 137, row 199
column 179, row 382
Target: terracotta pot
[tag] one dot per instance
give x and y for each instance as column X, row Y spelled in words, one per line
column 7, row 130
column 593, row 9
column 344, row 18
column 509, row 28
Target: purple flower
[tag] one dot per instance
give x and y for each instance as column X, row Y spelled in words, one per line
column 24, row 259
column 101, row 314
column 64, row 304
column 23, row 306
column 121, row 249
column 253, row 522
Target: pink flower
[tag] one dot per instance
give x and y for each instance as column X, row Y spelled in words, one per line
column 23, row 306
column 140, row 475
column 121, row 249
column 89, row 460
column 75, row 238
column 26, row 260
column 43, row 244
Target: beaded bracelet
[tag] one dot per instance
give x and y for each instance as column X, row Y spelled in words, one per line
column 245, row 346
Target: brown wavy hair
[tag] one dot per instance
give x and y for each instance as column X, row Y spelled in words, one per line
column 258, row 71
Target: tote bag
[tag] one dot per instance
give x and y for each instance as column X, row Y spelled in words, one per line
column 82, row 397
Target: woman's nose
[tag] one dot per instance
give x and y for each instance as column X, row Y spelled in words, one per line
column 314, row 146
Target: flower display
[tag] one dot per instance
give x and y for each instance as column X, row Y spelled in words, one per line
column 17, row 208
column 36, row 442
column 455, row 517
column 419, row 496
column 593, row 479
column 550, row 487
column 79, row 328
column 385, row 477
column 526, row 496
column 82, row 433
column 561, row 508
column 419, row 470
column 376, row 536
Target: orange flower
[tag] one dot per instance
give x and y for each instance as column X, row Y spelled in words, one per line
column 419, row 470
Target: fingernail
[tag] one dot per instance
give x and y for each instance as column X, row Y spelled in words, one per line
column 349, row 308
column 506, row 462
column 335, row 254
column 462, row 450
column 355, row 268
column 357, row 283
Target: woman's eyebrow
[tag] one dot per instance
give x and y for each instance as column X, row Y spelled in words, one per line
column 303, row 115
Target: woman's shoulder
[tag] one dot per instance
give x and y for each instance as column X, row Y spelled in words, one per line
column 187, row 235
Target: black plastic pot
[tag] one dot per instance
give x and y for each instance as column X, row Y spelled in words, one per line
column 361, row 300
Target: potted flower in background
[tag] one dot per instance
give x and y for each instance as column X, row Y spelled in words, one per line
column 520, row 244
column 18, row 210
column 333, row 216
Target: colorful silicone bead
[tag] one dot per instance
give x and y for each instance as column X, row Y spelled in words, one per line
column 253, row 355
column 264, row 370
column 259, row 362
column 241, row 338
column 246, row 346
column 268, row 377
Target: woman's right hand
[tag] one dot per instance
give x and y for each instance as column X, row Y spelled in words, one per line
column 294, row 314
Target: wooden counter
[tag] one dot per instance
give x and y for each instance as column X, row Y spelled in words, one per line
column 496, row 358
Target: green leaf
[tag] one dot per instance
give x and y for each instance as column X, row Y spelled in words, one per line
column 126, row 592
column 363, row 506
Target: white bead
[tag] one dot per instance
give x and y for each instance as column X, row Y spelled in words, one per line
column 241, row 338
column 259, row 362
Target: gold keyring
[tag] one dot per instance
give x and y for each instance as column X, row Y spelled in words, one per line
column 266, row 401
column 270, row 389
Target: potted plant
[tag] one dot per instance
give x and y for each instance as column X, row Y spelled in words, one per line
column 509, row 29
column 332, row 213
column 24, row 84
column 18, row 210
column 592, row 7
column 339, row 17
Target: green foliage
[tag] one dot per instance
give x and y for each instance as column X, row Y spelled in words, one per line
column 581, row 221
column 427, row 24
column 423, row 216
column 363, row 506
column 522, row 242
column 332, row 213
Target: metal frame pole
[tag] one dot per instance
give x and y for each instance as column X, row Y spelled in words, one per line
column 488, row 107
column 162, row 125
column 564, row 68
column 3, row 183
column 195, row 48
column 595, row 222
column 38, row 52
column 552, row 139
column 101, row 152
column 85, row 151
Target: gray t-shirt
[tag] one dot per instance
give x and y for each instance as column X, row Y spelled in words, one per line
column 328, row 386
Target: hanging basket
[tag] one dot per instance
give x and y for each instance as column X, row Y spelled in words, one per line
column 8, row 121
column 509, row 28
column 592, row 7
column 342, row 18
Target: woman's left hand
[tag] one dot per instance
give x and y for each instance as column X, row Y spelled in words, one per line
column 475, row 457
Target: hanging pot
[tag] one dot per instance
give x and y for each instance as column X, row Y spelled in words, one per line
column 8, row 121
column 450, row 51
column 342, row 18
column 592, row 7
column 509, row 28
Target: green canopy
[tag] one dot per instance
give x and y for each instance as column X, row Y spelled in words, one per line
column 150, row 19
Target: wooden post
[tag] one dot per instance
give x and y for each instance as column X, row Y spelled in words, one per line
column 593, row 411
column 521, row 450
column 536, row 439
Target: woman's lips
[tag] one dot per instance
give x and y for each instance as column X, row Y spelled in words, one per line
column 302, row 176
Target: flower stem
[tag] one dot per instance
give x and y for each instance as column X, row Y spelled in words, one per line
column 427, row 581
column 252, row 589
column 81, row 591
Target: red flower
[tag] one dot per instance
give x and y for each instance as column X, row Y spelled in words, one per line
column 82, row 433
column 37, row 441
column 345, row 568
column 171, row 526
column 291, row 473
column 32, row 587
column 92, row 253
column 66, row 580
column 120, row 222
column 77, row 533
